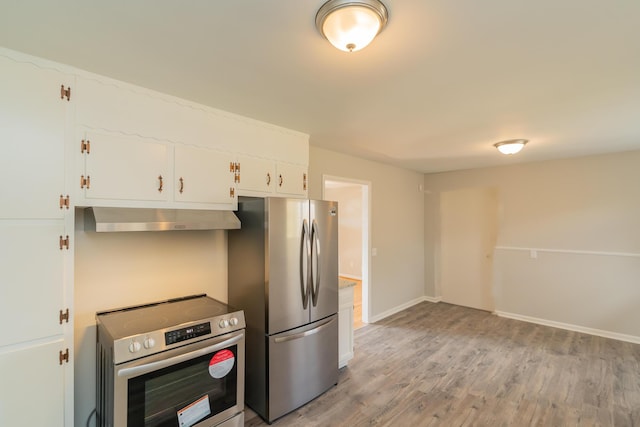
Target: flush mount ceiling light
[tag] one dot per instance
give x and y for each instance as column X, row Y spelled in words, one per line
column 351, row 25
column 511, row 146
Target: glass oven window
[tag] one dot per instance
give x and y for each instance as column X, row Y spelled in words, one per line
column 196, row 389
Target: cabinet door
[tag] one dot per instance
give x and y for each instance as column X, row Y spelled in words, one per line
column 32, row 129
column 256, row 175
column 31, row 294
column 123, row 167
column 345, row 326
column 292, row 179
column 32, row 392
column 203, row 176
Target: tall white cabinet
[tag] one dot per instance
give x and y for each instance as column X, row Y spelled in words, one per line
column 36, row 257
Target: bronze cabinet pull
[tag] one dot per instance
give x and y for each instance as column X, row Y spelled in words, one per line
column 160, row 179
column 268, row 179
column 181, row 185
column 281, row 180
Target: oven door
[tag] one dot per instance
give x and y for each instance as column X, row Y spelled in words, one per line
column 199, row 384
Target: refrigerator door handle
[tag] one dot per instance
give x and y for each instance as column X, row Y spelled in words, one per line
column 305, row 268
column 306, row 333
column 315, row 284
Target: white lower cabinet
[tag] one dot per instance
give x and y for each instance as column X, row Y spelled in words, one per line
column 33, row 385
column 345, row 326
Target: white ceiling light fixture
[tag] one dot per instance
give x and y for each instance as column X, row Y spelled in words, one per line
column 351, row 25
column 511, row 146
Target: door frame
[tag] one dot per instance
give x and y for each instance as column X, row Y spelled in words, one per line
column 367, row 290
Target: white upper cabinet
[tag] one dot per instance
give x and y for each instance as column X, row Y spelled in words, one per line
column 256, row 175
column 32, row 133
column 121, row 167
column 266, row 177
column 204, row 141
column 204, row 176
column 291, row 180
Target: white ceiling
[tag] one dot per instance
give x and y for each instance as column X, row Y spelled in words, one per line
column 443, row 82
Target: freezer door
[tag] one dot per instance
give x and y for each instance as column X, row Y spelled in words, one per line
column 288, row 258
column 303, row 364
column 324, row 258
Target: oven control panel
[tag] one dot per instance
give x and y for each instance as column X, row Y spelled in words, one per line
column 153, row 342
column 183, row 334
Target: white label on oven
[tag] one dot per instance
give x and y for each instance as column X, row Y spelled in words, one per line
column 189, row 415
column 221, row 363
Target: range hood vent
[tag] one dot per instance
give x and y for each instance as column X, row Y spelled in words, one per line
column 135, row 219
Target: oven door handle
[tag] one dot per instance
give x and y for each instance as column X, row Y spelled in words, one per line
column 153, row 366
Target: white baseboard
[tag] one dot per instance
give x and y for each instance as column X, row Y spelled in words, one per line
column 570, row 327
column 401, row 307
column 567, row 326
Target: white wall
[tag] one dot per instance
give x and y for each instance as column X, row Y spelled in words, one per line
column 397, row 225
column 121, row 269
column 349, row 198
column 582, row 218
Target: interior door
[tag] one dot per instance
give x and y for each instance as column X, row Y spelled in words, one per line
column 324, row 249
column 468, row 235
column 288, row 259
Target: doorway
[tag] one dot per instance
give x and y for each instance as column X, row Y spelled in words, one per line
column 353, row 197
column 468, row 235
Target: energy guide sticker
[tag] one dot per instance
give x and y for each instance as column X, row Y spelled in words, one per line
column 221, row 363
column 189, row 415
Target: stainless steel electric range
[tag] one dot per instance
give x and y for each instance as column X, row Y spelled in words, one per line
column 178, row 362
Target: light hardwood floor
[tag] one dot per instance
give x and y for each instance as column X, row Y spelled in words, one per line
column 445, row 365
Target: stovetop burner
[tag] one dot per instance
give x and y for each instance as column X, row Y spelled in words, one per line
column 141, row 319
column 144, row 330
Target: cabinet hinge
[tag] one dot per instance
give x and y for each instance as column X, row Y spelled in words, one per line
column 304, row 181
column 64, row 242
column 64, row 357
column 85, row 145
column 234, row 168
column 232, row 192
column 85, row 182
column 65, row 92
column 64, row 201
column 64, row 315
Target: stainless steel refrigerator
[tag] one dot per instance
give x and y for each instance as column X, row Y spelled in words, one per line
column 283, row 272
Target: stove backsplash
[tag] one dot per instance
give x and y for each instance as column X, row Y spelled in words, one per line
column 123, row 269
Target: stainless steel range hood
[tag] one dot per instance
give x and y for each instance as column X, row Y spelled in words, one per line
column 136, row 219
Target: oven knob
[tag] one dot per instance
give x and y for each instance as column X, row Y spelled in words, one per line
column 223, row 323
column 233, row 321
column 134, row 347
column 149, row 343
